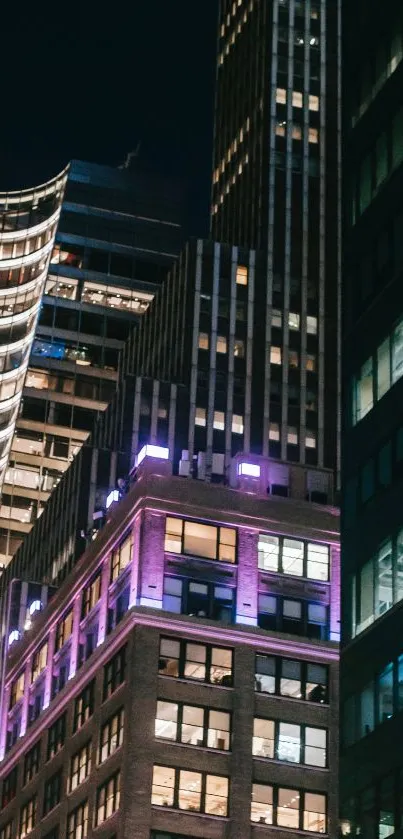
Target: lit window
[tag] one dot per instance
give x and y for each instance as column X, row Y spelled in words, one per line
column 275, row 355
column 17, row 689
column 241, row 275
column 221, row 344
column 296, row 132
column 281, row 96
column 314, row 41
column 293, row 359
column 262, row 804
column 64, row 630
column 293, row 321
column 311, row 363
column 297, row 99
column 200, row 416
column 28, row 817
column 310, row 440
column 197, row 539
column 292, row 436
column 311, row 325
column 313, row 102
column 77, row 822
column 91, row 595
column 314, row 812
column 219, row 420
column 318, row 561
column 121, row 557
column 313, row 135
column 277, row 319
column 111, row 735
column 193, row 725
column 237, row 424
column 280, row 128
column 39, row 661
column 268, row 552
column 108, row 799
column 274, row 432
column 204, row 341
column 364, row 391
column 185, row 660
column 188, row 790
column 239, row 348
column 80, row 766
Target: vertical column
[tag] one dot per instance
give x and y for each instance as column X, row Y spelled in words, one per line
column 48, row 675
column 3, row 721
column 241, row 759
column 335, row 594
column 247, row 585
column 75, row 635
column 135, row 569
column 25, row 700
column 103, row 606
column 152, row 559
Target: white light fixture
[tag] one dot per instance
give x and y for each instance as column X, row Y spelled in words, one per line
column 35, row 606
column 150, row 450
column 13, row 636
column 113, row 496
column 251, row 470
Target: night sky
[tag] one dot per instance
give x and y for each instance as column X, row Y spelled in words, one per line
column 93, row 84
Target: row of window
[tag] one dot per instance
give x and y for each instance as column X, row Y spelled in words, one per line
column 385, row 155
column 297, row 99
column 378, row 374
column 378, row 585
column 275, row 553
column 222, row 344
column 379, row 67
column 214, row 665
column 107, row 802
column 376, row 810
column 296, row 131
column 237, row 427
column 377, row 702
column 276, row 357
column 204, row 793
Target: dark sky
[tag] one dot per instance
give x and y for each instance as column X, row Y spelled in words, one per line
column 92, row 82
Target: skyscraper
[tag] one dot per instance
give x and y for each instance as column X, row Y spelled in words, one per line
column 119, row 232
column 372, row 581
column 276, row 180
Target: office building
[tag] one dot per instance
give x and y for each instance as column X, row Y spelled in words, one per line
column 276, row 179
column 28, row 222
column 372, row 535
column 119, row 232
column 183, row 681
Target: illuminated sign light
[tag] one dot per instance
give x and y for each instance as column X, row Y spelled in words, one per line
column 113, row 496
column 149, row 450
column 251, row 470
column 35, row 606
column 13, row 636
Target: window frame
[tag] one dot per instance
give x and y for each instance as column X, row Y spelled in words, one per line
column 102, row 791
column 208, row 664
column 107, row 726
column 77, row 764
column 206, row 727
column 218, row 542
column 276, row 789
column 56, row 736
column 306, row 545
column 303, row 745
column 322, row 693
column 84, row 705
column 203, row 790
column 114, row 673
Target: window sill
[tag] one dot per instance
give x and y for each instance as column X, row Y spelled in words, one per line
column 199, row 682
column 276, row 762
column 208, row 749
column 167, row 809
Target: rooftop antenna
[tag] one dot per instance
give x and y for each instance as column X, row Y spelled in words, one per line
column 130, row 156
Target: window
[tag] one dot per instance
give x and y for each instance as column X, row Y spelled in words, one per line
column 313, row 136
column 289, row 742
column 17, row 689
column 310, row 440
column 239, row 348
column 313, row 102
column 56, row 736
column 186, row 790
column 31, row 763
column 28, row 817
column 83, row 706
column 275, row 355
column 293, row 359
column 193, row 725
column 311, row 325
column 241, row 275
column 108, row 799
column 64, row 630
column 291, row 678
column 237, row 424
column 202, row 662
column 204, row 341
column 292, row 436
column 9, row 789
column 91, row 595
column 285, row 807
column 6, row 831
column 200, row 417
column 39, row 661
column 52, row 792
column 196, row 539
column 221, row 346
column 114, row 673
column 293, row 321
column 80, row 766
column 77, row 822
column 121, row 557
column 277, row 318
column 363, row 397
column 311, row 363
column 191, row 597
column 219, row 421
column 292, row 556
column 281, row 96
column 297, row 99
column 274, row 432
column 111, row 735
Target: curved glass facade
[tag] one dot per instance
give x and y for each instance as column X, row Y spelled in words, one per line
column 28, row 223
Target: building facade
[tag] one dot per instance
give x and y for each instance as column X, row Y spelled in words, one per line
column 276, row 176
column 28, row 223
column 118, row 234
column 372, row 581
column 184, row 679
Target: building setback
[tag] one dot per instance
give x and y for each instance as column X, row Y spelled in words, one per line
column 372, row 537
column 118, row 234
column 184, row 679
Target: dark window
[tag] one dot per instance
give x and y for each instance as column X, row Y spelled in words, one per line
column 108, row 799
column 6, row 831
column 91, row 595
column 80, row 766
column 9, row 789
column 292, row 678
column 297, row 617
column 202, row 662
column 56, row 736
column 31, row 762
column 111, row 735
column 191, row 597
column 52, row 792
column 84, row 706
column 114, row 673
column 28, row 816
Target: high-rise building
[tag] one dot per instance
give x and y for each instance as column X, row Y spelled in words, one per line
column 372, row 455
column 183, row 680
column 119, row 232
column 28, row 222
column 276, row 180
